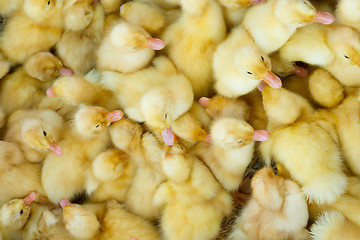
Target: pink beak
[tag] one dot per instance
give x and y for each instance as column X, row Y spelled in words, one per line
column 66, row 72
column 324, row 17
column 155, row 43
column 260, row 135
column 204, row 101
column 114, row 116
column 255, row 2
column 30, row 198
column 53, row 147
column 300, row 71
column 50, row 92
column 168, row 136
column 272, row 80
column 64, row 202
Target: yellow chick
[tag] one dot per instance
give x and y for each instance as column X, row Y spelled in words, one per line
column 14, row 215
column 36, row 132
column 83, row 141
column 239, row 65
column 276, row 210
column 325, row 90
column 231, row 150
column 34, row 28
column 145, row 150
column 126, row 48
column 114, row 171
column 195, row 35
column 346, row 13
column 194, row 203
column 273, row 23
column 24, row 88
column 84, row 25
column 332, row 225
column 7, row 7
column 306, row 145
column 157, row 95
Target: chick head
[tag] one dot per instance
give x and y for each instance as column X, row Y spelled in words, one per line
column 124, row 131
column 231, row 133
column 255, row 65
column 130, row 38
column 43, row 66
column 344, row 42
column 14, row 214
column 157, row 108
column 79, row 15
column 175, row 163
column 73, row 90
column 39, row 10
column 93, row 121
column 268, row 189
column 109, row 165
column 80, row 222
column 40, row 136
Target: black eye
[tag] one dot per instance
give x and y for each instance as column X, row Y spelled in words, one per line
column 44, row 133
column 240, row 141
column 165, row 116
column 21, row 211
column 48, row 3
column 249, row 73
column 262, row 59
column 346, row 57
column 305, row 2
column 97, row 126
column 182, row 148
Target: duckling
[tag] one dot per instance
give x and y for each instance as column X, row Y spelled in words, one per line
column 231, row 150
column 34, row 28
column 15, row 214
column 332, row 225
column 145, row 150
column 276, row 210
column 114, row 171
column 306, row 145
column 36, row 132
column 239, row 65
column 160, row 97
column 24, row 88
column 195, row 35
column 7, row 7
column 4, row 66
column 273, row 23
column 194, row 203
column 84, row 139
column 346, row 13
column 126, row 48
column 325, row 90
column 84, row 25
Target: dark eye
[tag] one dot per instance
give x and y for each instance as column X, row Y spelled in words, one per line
column 48, row 3
column 21, row 211
column 165, row 116
column 305, row 3
column 249, row 73
column 262, row 59
column 182, row 148
column 240, row 141
column 44, row 133
column 97, row 126
column 346, row 57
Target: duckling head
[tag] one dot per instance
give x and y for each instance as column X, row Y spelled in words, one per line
column 14, row 214
column 233, row 133
column 344, row 42
column 38, row 136
column 43, row 66
column 93, row 121
column 300, row 12
column 175, row 163
column 39, row 10
column 79, row 15
column 130, row 38
column 80, row 222
column 109, row 165
column 253, row 64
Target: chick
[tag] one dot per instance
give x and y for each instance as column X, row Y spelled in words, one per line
column 34, row 28
column 84, row 139
column 157, row 95
column 7, row 7
column 114, row 171
column 24, row 88
column 306, row 145
column 194, row 203
column 346, row 13
column 14, row 215
column 276, row 210
column 239, row 65
column 145, row 150
column 36, row 132
column 84, row 25
column 272, row 24
column 126, row 48
column 332, row 225
column 195, row 35
column 231, row 150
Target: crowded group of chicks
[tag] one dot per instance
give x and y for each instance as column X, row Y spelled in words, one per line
column 138, row 120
